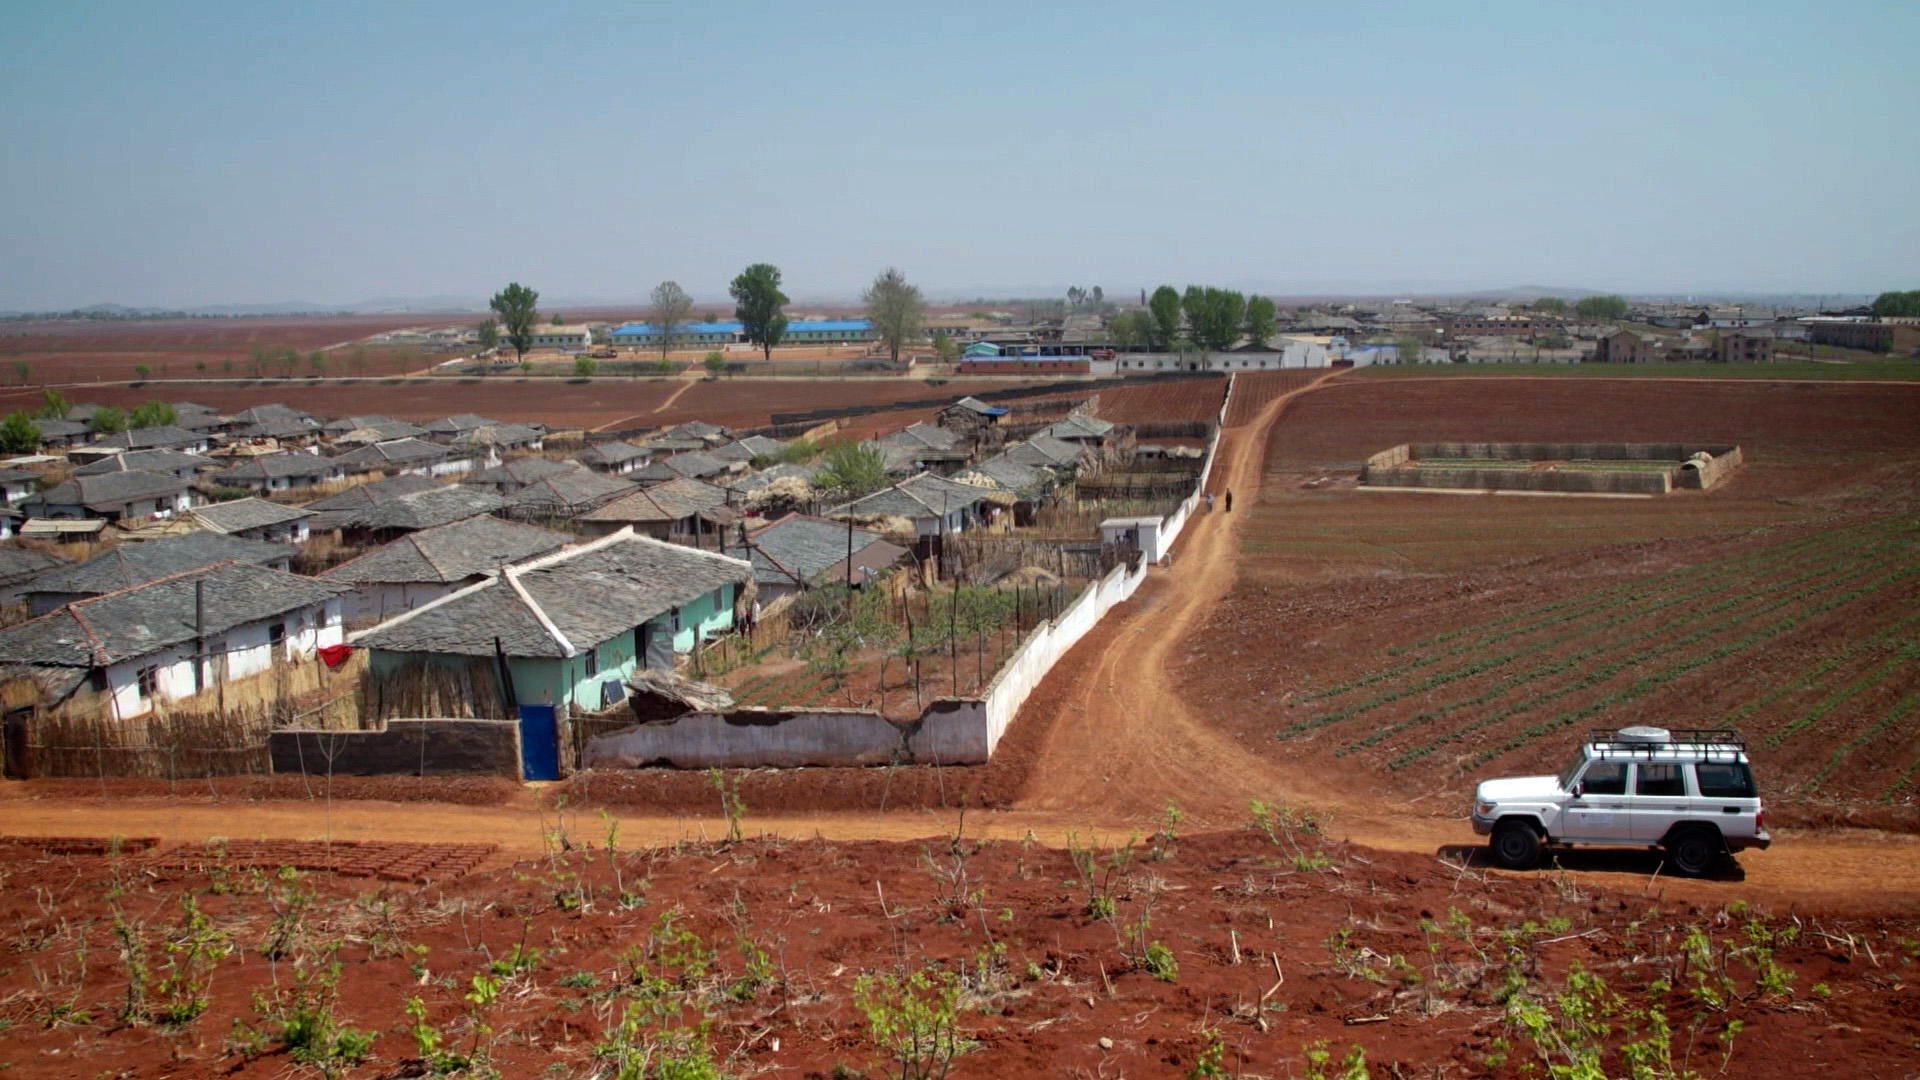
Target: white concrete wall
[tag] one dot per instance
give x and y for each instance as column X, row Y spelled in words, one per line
column 247, row 653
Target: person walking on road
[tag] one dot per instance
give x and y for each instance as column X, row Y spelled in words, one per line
column 1209, row 502
column 1229, row 500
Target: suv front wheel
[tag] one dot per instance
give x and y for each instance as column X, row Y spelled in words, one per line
column 1694, row 849
column 1516, row 844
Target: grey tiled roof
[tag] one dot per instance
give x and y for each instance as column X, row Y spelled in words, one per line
column 522, row 471
column 164, row 437
column 570, row 493
column 344, row 424
column 1079, row 426
column 135, row 564
column 425, row 509
column 276, row 411
column 288, row 466
column 109, row 489
column 17, row 563
column 242, row 514
column 449, row 553
column 670, row 501
column 923, row 435
column 277, row 428
column 611, row 453
column 453, row 425
column 60, row 429
column 1010, row 475
column 696, row 463
column 805, row 546
column 139, row 621
column 161, row 461
column 380, row 491
column 398, row 452
column 379, row 432
column 698, row 429
column 925, row 495
column 1045, row 451
column 498, row 434
column 747, row 449
column 590, row 595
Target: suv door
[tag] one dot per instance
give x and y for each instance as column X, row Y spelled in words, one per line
column 1659, row 799
column 1599, row 811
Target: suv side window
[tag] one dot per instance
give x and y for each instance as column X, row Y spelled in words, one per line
column 1659, row 778
column 1724, row 780
column 1604, row 778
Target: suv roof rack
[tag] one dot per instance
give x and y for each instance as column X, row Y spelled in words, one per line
column 1723, row 740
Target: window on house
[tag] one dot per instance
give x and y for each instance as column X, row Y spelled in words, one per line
column 673, row 619
column 277, row 634
column 593, row 662
column 148, row 682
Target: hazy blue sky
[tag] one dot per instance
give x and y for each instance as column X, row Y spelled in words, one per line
column 188, row 153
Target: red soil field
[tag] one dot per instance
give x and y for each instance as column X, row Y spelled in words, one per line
column 1253, row 390
column 1482, row 635
column 1265, row 948
column 1183, row 399
column 85, row 350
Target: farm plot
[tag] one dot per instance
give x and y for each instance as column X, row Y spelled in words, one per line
column 82, row 350
column 1197, row 398
column 1807, row 645
column 1252, row 392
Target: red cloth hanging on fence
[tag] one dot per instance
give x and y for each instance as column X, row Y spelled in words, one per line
column 335, row 655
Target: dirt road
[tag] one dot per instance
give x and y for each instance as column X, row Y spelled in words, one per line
column 1121, row 745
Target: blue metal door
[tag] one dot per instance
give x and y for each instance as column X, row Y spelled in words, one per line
column 539, row 743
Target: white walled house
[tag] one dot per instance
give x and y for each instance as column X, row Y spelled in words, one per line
column 282, row 472
column 114, row 496
column 134, row 648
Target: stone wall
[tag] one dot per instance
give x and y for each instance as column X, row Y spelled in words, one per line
column 435, row 747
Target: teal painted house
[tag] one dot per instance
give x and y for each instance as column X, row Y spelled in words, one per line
column 572, row 621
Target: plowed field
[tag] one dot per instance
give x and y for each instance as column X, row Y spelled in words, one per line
column 85, row 350
column 1416, row 643
column 1182, row 399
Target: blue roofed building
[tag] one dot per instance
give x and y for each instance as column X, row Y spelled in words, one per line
column 799, row 332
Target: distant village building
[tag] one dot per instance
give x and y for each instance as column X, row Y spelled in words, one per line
column 1623, row 347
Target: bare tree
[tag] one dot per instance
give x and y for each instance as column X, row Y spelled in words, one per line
column 671, row 306
column 895, row 309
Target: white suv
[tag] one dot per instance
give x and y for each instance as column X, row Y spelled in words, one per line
column 1689, row 792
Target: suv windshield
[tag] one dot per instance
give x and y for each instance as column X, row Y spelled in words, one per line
column 1573, row 769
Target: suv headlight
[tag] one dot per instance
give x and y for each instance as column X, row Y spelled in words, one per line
column 1484, row 809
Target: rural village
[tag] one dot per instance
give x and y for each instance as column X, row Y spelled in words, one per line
column 748, row 541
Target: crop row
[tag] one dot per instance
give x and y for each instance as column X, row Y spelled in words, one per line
column 1547, row 615
column 1896, row 632
column 1692, row 663
column 1900, row 661
column 1711, row 585
column 1644, row 656
column 1894, row 716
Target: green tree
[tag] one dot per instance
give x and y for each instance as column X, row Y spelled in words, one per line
column 760, row 306
column 1409, row 348
column 152, row 414
column 715, row 362
column 1260, row 320
column 1595, row 308
column 557, row 321
column 289, row 361
column 1164, row 309
column 259, row 359
column 141, row 371
column 18, row 435
column 1131, row 329
column 853, row 469
column 317, row 360
column 945, row 347
column 1214, row 316
column 896, row 309
column 517, row 307
column 24, row 370
column 1552, row 305
column 1897, row 305
column 53, row 406
column 585, row 365
column 489, row 334
column 107, row 420
column 671, row 307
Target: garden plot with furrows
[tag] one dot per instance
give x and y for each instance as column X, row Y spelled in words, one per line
column 1804, row 641
column 1264, row 951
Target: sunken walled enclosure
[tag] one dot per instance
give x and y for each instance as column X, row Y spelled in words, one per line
column 1572, row 468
